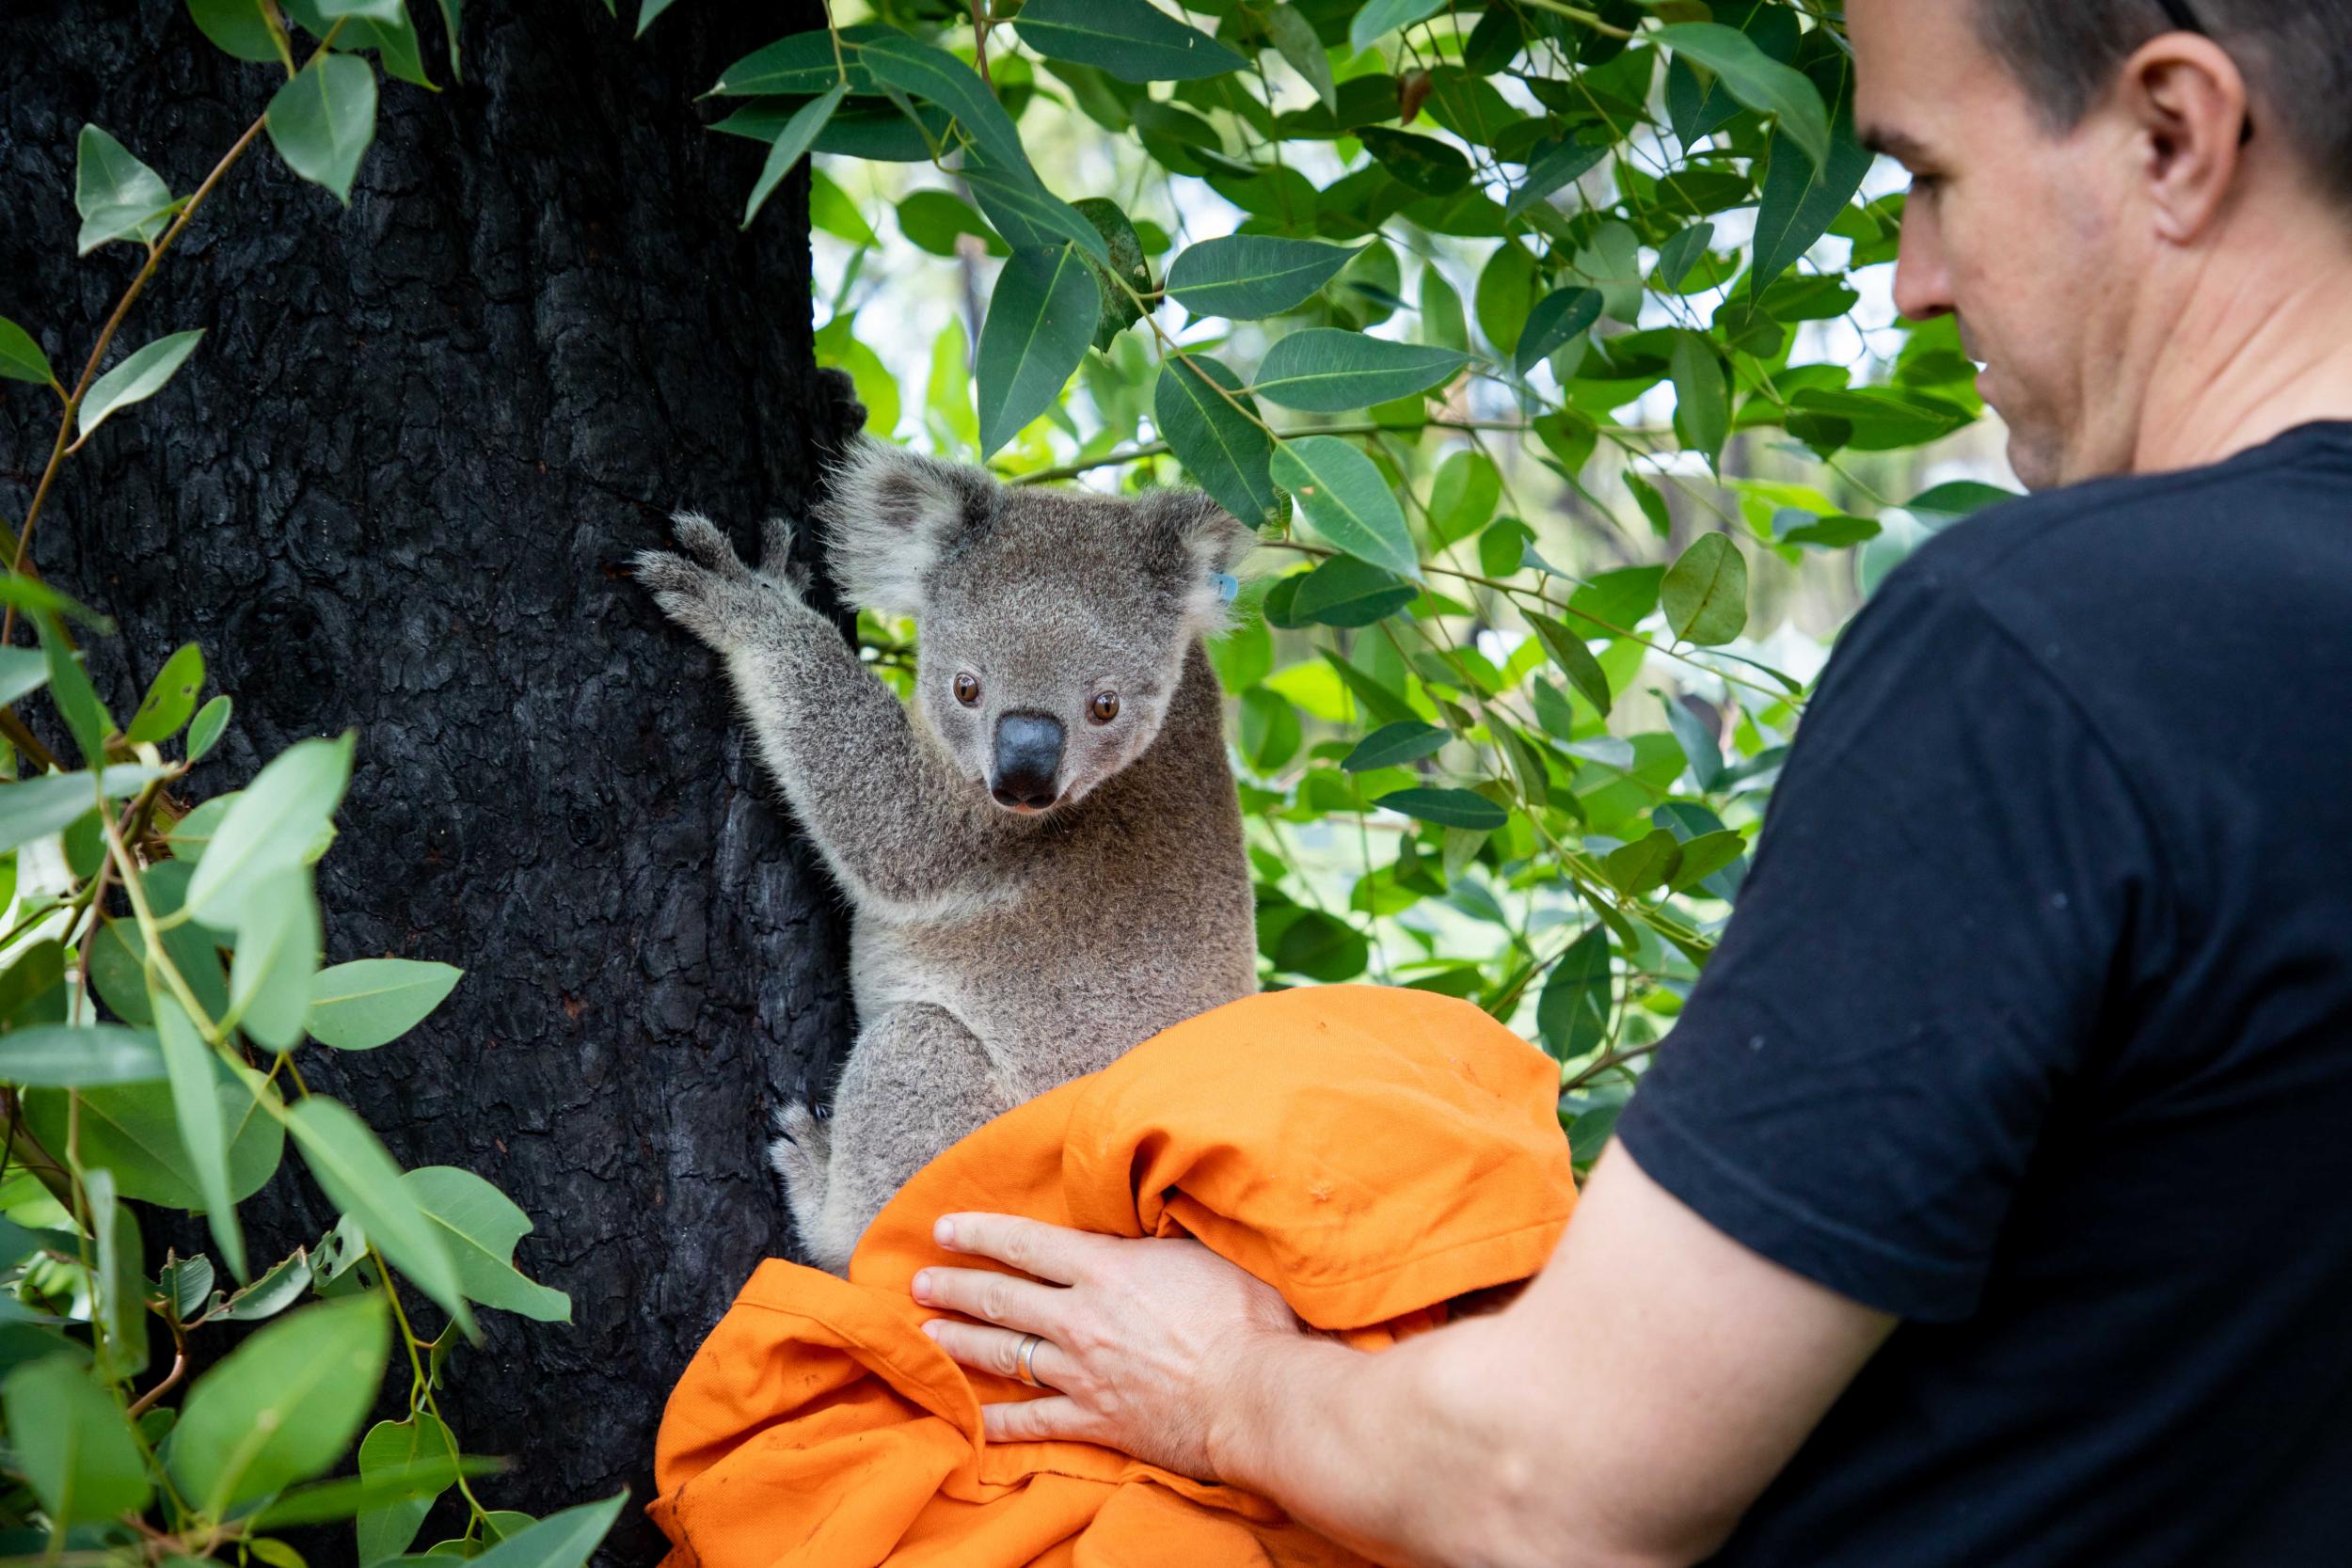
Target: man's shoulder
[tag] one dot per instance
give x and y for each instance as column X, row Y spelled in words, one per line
column 2119, row 554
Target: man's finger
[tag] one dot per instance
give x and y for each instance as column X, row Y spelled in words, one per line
column 1034, row 1247
column 998, row 1351
column 1035, row 1420
column 993, row 1297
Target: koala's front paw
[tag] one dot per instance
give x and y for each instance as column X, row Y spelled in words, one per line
column 709, row 590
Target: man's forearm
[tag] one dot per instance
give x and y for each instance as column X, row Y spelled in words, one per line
column 1418, row 1457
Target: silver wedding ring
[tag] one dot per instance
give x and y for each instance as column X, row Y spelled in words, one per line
column 1025, row 1360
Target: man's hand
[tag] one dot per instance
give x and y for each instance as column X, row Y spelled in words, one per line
column 1143, row 1340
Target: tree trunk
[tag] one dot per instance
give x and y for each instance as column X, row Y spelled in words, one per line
column 394, row 491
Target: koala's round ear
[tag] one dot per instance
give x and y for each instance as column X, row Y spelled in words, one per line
column 888, row 515
column 1210, row 542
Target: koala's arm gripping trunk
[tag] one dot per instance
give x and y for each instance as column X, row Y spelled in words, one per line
column 873, row 794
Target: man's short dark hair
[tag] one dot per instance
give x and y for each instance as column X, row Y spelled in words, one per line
column 2297, row 56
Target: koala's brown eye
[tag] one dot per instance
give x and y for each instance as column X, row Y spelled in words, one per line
column 1105, row 708
column 967, row 691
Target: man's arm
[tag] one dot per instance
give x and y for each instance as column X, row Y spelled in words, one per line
column 1622, row 1413
column 1625, row 1411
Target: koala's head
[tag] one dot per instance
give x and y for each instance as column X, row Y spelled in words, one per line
column 1054, row 624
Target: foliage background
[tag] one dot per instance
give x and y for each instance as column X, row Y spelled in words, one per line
column 1549, row 346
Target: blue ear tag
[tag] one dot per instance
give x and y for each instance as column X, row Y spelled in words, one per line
column 1227, row 586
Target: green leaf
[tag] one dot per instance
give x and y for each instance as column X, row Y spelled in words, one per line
column 273, row 825
column 1326, row 370
column 118, row 197
column 790, row 145
column 1572, row 1014
column 275, row 1290
column 1380, row 18
column 1129, row 38
column 34, row 597
column 72, row 1444
column 1705, row 593
column 323, row 120
column 1802, row 198
column 350, row 1163
column 1040, row 319
column 196, row 1107
column 648, row 11
column 21, row 358
column 479, row 1226
column 276, row 954
column 1345, row 591
column 136, row 379
column 1705, row 855
column 372, row 1002
column 1462, row 497
column 236, row 27
column 1645, row 865
column 558, row 1541
column 37, row 807
column 66, row 1056
column 1294, row 39
column 897, row 60
column 1756, row 79
column 936, row 219
column 1962, row 497
column 283, row 1406
column 1506, row 295
column 1448, row 808
column 1027, row 214
column 133, row 1131
column 1270, row 730
column 119, row 1312
column 1245, row 276
column 1701, row 396
column 1442, row 322
column 1423, row 164
column 1119, row 310
column 77, row 703
column 1549, row 168
column 344, row 1496
column 1215, row 435
column 1554, row 319
column 172, row 698
column 1347, row 501
column 1395, row 745
column 802, row 64
column 206, row 728
column 1576, row 661
column 1678, row 256
column 396, row 1449
column 1318, row 945
column 186, row 1284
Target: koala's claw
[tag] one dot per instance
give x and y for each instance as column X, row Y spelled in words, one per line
column 699, row 537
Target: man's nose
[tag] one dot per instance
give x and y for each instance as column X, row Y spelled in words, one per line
column 1923, row 281
column 1028, row 755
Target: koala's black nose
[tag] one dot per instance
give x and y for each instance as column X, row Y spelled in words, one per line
column 1028, row 755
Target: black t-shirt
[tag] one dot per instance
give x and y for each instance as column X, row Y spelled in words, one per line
column 2034, row 1028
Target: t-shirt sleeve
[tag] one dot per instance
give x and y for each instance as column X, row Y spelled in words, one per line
column 1946, row 879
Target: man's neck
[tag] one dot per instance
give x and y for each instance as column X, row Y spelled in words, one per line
column 2262, row 344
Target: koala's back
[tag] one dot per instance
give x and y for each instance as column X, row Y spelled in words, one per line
column 1108, row 923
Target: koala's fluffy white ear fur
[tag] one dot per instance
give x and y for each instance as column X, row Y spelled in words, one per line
column 888, row 515
column 1213, row 542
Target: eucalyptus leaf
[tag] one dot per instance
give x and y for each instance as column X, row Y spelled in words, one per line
column 21, row 358
column 351, row 1163
column 1327, row 371
column 323, row 120
column 67, row 1056
column 1247, row 276
column 1211, row 425
column 791, row 143
column 1041, row 321
column 1132, row 40
column 1447, row 808
column 170, row 699
column 271, row 828
column 139, row 376
column 1395, row 745
column 1705, row 593
column 1345, row 498
column 196, row 1111
column 1756, row 79
column 118, row 197
column 371, row 1002
column 73, row 1445
column 283, row 1406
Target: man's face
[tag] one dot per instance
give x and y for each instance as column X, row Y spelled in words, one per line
column 2021, row 233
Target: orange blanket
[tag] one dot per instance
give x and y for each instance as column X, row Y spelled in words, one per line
column 1372, row 1153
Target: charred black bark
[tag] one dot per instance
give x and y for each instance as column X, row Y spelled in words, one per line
column 394, row 492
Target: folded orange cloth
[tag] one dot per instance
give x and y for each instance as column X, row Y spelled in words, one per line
column 1372, row 1153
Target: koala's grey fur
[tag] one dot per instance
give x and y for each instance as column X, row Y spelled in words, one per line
column 995, row 953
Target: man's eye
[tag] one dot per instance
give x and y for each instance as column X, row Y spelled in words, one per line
column 1924, row 186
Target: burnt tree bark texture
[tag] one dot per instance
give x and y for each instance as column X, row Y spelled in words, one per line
column 394, row 492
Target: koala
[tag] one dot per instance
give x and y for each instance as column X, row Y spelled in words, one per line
column 1044, row 852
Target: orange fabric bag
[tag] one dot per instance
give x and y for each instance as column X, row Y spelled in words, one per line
column 1372, row 1153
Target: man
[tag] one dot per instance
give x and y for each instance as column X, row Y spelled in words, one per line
column 1992, row 1202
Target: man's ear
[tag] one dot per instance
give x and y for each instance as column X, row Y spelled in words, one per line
column 2189, row 101
column 1209, row 542
column 888, row 515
